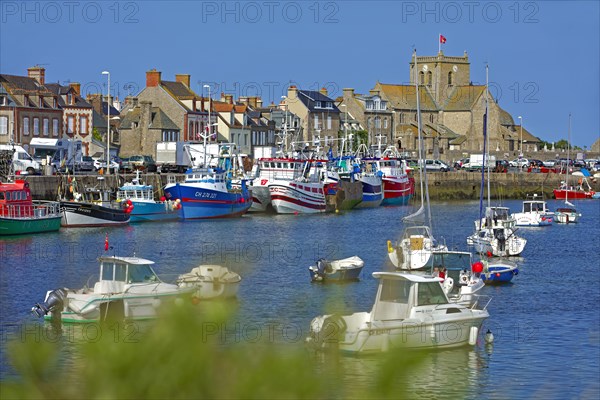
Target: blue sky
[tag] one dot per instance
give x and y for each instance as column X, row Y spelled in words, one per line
column 543, row 55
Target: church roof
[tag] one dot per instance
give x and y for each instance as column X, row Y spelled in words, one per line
column 462, row 98
column 404, row 97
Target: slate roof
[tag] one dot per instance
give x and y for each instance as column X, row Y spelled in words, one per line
column 18, row 85
column 63, row 91
column 98, row 120
column 309, row 97
column 179, row 90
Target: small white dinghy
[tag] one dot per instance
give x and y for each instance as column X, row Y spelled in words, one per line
column 211, row 282
column 346, row 269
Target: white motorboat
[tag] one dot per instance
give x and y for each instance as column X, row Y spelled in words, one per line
column 566, row 215
column 535, row 213
column 410, row 311
column 128, row 288
column 210, row 282
column 346, row 269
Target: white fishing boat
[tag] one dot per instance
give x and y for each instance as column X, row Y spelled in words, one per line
column 210, row 282
column 535, row 212
column 410, row 311
column 304, row 194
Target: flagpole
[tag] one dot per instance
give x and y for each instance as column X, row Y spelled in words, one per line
column 439, row 43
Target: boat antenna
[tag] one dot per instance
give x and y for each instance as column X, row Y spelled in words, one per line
column 568, row 162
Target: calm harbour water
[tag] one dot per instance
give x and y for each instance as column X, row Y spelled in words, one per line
column 546, row 324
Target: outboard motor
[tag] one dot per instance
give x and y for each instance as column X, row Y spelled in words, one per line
column 54, row 300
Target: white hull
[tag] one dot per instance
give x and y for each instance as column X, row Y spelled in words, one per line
column 289, row 200
column 261, row 198
column 566, row 218
column 532, row 219
column 209, row 282
column 513, row 246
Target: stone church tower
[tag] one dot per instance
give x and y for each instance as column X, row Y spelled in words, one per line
column 441, row 74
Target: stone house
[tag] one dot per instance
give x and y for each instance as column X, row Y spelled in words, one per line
column 142, row 127
column 319, row 114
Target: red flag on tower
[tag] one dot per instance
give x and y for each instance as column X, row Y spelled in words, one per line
column 106, row 243
column 442, row 39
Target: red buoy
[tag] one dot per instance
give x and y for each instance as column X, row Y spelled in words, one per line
column 477, row 267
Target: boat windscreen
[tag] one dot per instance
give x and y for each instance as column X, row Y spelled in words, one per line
column 450, row 261
column 141, row 273
column 430, row 293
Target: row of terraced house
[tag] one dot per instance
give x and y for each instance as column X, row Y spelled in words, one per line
column 168, row 111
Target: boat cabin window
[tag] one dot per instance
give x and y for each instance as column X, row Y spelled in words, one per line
column 527, row 207
column 430, row 293
column 141, row 273
column 395, row 291
column 1, row 195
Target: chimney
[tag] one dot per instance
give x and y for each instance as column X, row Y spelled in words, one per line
column 77, row 87
column 374, row 92
column 38, row 73
column 152, row 78
column 348, row 93
column 292, row 94
column 183, row 78
column 145, row 115
column 259, row 102
column 323, row 91
column 229, row 98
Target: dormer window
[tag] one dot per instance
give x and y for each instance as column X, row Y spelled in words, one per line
column 318, row 104
column 41, row 102
column 26, row 100
column 54, row 103
column 2, row 100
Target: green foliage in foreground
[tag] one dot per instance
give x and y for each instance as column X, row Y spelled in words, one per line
column 176, row 358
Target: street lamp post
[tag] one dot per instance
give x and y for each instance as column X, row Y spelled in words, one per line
column 285, row 126
column 521, row 136
column 107, row 122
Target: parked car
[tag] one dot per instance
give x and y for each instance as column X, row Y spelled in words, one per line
column 596, row 166
column 436, row 165
column 519, row 162
column 549, row 163
column 143, row 163
column 86, row 164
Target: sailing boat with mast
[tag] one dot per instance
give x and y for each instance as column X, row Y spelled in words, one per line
column 567, row 214
column 491, row 237
column 417, row 244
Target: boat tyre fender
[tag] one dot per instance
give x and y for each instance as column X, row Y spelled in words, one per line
column 128, row 206
column 333, row 328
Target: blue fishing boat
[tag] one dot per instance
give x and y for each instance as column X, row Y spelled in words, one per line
column 208, row 193
column 143, row 207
